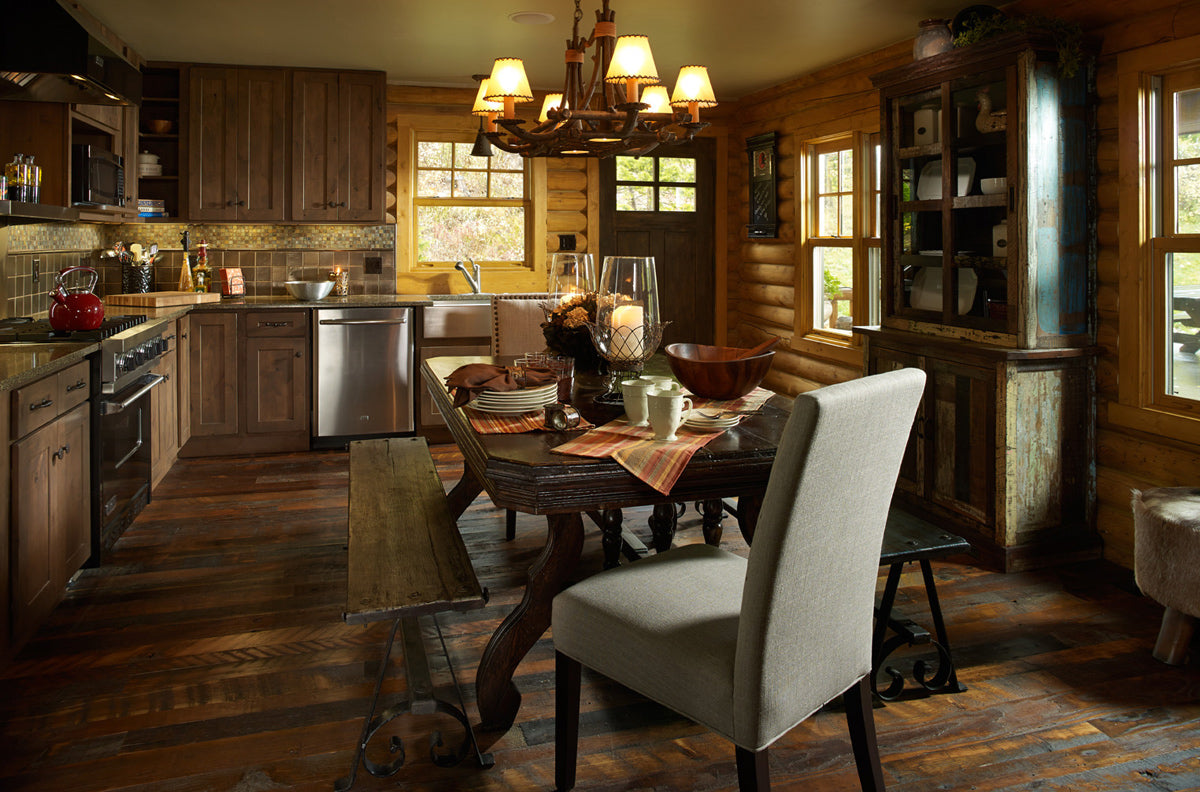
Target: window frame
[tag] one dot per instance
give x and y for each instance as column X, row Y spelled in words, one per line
column 409, row 204
column 864, row 242
column 1143, row 319
column 656, row 183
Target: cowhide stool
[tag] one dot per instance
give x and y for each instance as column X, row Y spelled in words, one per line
column 1167, row 563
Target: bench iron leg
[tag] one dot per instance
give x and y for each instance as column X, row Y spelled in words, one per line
column 421, row 701
column 943, row 679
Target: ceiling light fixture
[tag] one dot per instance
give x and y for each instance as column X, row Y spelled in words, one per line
column 597, row 118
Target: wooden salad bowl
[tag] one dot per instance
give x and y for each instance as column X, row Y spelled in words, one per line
column 718, row 372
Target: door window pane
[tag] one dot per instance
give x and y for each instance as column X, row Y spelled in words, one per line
column 653, row 184
column 635, row 169
column 634, row 199
column 677, row 199
column 677, row 169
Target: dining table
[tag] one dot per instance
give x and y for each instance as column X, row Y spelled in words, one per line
column 521, row 471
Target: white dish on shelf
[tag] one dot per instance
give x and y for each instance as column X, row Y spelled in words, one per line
column 927, row 289
column 929, row 185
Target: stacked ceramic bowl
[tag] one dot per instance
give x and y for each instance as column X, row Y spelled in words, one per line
column 148, row 165
column 516, row 402
column 711, row 421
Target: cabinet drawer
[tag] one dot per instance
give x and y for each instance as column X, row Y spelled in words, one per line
column 34, row 405
column 264, row 324
column 40, row 402
column 74, row 385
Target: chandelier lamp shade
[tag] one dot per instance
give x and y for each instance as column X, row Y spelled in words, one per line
column 622, row 107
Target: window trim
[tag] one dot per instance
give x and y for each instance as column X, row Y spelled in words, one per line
column 1141, row 404
column 842, row 347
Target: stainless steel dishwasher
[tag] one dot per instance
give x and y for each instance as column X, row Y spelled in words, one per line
column 362, row 372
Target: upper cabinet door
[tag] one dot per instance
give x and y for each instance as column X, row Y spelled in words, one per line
column 337, row 146
column 262, row 128
column 361, row 169
column 212, row 144
column 315, row 145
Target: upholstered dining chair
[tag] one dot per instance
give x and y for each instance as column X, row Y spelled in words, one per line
column 750, row 647
column 517, row 329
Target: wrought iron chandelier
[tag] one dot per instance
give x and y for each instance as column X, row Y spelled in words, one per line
column 597, row 119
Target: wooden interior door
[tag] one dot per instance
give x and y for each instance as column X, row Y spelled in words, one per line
column 681, row 243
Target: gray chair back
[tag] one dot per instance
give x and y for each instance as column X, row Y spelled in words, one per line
column 809, row 594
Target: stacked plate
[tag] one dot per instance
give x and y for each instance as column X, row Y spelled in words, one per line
column 706, row 423
column 516, row 402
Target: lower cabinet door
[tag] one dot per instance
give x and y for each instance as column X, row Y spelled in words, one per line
column 276, row 385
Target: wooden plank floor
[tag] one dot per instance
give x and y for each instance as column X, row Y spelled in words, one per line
column 210, row 655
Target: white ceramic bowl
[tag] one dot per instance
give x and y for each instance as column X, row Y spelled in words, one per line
column 309, row 290
column 993, row 186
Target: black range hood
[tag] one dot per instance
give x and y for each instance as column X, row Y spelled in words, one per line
column 47, row 54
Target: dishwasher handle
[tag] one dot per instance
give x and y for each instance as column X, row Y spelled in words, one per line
column 401, row 320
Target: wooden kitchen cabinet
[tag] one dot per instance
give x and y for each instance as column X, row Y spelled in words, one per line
column 238, row 128
column 163, row 89
column 51, row 515
column 183, row 382
column 338, row 140
column 164, row 410
column 249, row 382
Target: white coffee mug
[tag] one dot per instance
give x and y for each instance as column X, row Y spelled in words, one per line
column 661, row 381
column 667, row 409
column 633, row 392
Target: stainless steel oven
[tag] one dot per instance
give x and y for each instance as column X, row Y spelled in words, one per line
column 123, row 431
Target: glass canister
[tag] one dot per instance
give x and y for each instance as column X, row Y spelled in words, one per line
column 933, row 38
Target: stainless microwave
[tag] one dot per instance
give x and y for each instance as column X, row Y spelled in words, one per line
column 97, row 177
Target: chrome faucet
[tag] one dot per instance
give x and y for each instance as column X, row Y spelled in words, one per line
column 474, row 282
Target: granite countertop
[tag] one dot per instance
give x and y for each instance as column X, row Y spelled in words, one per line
column 281, row 301
column 21, row 364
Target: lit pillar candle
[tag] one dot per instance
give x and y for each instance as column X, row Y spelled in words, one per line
column 627, row 321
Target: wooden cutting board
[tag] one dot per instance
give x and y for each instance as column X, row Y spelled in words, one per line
column 162, row 299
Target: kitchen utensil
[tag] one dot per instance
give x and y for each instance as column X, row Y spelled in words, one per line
column 758, row 349
column 75, row 307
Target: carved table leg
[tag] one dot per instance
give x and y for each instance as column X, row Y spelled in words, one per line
column 711, row 512
column 662, row 526
column 497, row 697
column 610, row 537
column 464, row 493
column 748, row 508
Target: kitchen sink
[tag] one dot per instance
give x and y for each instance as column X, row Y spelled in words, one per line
column 483, row 298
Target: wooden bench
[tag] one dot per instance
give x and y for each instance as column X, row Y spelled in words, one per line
column 405, row 559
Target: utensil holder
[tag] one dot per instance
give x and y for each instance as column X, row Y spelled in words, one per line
column 135, row 279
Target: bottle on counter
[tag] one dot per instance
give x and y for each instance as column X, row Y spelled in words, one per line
column 33, row 181
column 14, row 174
column 200, row 273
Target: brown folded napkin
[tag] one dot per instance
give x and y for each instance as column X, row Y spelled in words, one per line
column 466, row 381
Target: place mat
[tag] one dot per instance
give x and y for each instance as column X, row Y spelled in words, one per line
column 743, row 404
column 490, row 423
column 659, row 463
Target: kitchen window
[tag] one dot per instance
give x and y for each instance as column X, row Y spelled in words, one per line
column 839, row 272
column 469, row 207
column 1159, row 367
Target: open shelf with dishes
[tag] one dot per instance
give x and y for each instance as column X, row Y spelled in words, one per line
column 161, row 162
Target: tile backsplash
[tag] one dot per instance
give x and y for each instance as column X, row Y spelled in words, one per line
column 267, row 256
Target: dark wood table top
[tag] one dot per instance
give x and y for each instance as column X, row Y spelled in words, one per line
column 520, row 472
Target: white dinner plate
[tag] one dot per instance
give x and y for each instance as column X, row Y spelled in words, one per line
column 508, row 410
column 533, row 400
column 518, row 395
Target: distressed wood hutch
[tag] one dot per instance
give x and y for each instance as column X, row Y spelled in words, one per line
column 987, row 287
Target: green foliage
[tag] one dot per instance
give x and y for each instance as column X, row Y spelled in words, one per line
column 1068, row 36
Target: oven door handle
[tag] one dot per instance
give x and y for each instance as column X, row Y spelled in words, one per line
column 114, row 407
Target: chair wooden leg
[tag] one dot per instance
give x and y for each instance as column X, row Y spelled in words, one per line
column 566, row 720
column 860, row 719
column 510, row 524
column 754, row 775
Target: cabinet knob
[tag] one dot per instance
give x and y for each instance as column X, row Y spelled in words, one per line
column 332, row 205
column 229, row 202
column 241, row 203
column 299, row 354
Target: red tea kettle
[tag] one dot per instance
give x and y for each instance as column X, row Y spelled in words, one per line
column 76, row 307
